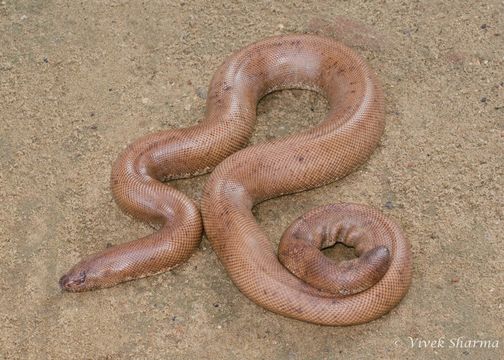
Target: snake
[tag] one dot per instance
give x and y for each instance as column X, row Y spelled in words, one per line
column 298, row 280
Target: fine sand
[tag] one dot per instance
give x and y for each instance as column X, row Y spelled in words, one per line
column 79, row 80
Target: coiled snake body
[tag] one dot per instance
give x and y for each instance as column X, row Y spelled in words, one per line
column 314, row 289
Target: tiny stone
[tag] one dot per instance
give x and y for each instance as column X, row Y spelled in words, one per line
column 201, row 92
column 389, row 204
column 6, row 66
column 484, row 99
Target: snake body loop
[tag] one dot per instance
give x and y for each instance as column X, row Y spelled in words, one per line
column 355, row 291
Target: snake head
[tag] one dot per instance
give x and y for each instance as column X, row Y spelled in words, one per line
column 73, row 281
column 83, row 276
column 101, row 270
column 91, row 273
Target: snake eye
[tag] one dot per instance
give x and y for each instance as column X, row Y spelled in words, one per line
column 80, row 279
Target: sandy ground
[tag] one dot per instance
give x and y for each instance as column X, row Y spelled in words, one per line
column 80, row 80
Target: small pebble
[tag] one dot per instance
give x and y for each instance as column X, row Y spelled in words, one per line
column 201, row 92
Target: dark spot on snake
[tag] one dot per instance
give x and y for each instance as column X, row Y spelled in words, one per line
column 299, row 310
column 298, row 235
column 227, row 88
column 300, row 158
column 334, row 64
column 225, row 212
